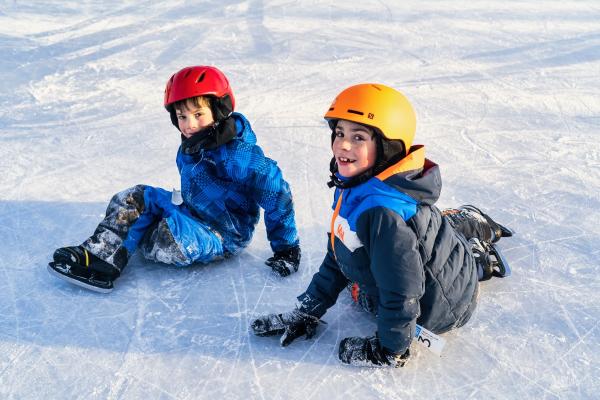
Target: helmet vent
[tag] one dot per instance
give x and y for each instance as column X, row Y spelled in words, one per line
column 331, row 109
column 201, row 77
column 356, row 112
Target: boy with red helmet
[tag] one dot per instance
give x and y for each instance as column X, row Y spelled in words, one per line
column 225, row 180
column 403, row 259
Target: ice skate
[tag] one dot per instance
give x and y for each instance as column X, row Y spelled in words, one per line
column 490, row 261
column 80, row 267
column 498, row 231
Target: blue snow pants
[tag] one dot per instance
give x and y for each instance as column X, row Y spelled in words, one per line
column 143, row 217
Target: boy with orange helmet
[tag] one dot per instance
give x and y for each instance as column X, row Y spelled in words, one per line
column 225, row 180
column 404, row 259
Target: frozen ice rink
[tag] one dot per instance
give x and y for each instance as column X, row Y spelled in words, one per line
column 507, row 101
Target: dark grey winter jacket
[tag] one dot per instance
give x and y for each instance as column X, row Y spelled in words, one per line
column 389, row 237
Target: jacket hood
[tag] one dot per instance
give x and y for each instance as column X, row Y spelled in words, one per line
column 243, row 129
column 415, row 176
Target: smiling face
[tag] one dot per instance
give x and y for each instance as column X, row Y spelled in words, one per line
column 354, row 148
column 193, row 115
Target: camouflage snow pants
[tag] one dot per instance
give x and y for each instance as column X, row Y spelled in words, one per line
column 144, row 217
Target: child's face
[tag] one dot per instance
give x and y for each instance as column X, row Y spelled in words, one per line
column 193, row 118
column 354, row 148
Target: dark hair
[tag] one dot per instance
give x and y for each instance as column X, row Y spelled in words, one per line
column 196, row 101
column 389, row 151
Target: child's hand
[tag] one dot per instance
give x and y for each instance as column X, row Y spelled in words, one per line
column 367, row 352
column 291, row 325
column 285, row 262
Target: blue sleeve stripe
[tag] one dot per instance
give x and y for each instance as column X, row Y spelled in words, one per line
column 405, row 209
column 375, row 193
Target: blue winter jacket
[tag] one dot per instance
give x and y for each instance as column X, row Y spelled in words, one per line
column 225, row 188
column 387, row 236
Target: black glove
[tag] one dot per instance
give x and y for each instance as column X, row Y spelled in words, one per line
column 367, row 352
column 285, row 262
column 291, row 325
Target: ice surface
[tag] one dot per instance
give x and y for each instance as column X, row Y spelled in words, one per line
column 507, row 100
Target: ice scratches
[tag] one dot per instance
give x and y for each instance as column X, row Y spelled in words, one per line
column 467, row 138
column 242, row 306
column 227, row 372
column 526, row 96
column 488, row 384
column 292, row 372
column 246, row 323
column 119, row 386
column 12, row 293
column 543, row 335
column 579, row 342
column 324, row 373
column 12, row 361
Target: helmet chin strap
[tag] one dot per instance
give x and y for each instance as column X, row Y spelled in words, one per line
column 335, row 180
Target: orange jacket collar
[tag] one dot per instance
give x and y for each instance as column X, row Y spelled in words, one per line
column 414, row 160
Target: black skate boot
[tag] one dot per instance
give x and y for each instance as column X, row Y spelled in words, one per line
column 490, row 262
column 80, row 267
column 498, row 231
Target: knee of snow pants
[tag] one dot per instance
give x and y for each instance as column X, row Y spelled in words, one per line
column 181, row 240
column 156, row 206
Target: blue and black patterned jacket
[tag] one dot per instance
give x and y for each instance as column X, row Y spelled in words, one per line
column 226, row 187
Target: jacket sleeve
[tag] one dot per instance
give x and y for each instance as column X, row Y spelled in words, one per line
column 273, row 194
column 324, row 288
column 397, row 268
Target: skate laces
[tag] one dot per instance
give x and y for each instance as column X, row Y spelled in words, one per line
column 75, row 255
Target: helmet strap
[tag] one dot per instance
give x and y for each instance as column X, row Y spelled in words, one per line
column 221, row 107
column 335, row 180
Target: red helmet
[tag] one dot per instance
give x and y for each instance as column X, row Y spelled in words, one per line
column 197, row 81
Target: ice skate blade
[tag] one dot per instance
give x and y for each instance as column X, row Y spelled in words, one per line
column 504, row 268
column 74, row 281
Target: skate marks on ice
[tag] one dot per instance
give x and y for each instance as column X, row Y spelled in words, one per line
column 81, row 70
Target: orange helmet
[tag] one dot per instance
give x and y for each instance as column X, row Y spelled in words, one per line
column 378, row 106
